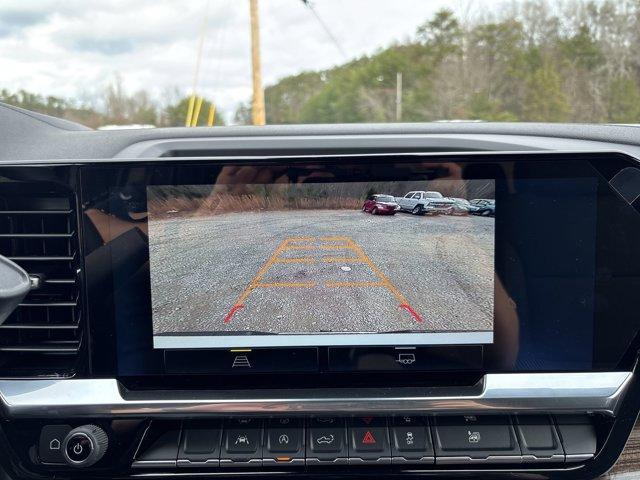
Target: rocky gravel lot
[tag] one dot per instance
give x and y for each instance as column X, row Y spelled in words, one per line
column 442, row 266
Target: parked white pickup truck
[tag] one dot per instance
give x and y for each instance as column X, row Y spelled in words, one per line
column 419, row 203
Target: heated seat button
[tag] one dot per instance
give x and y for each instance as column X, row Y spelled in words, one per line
column 284, row 442
column 326, row 441
column 50, row 444
column 474, row 439
column 538, row 439
column 369, row 441
column 411, row 441
column 242, row 443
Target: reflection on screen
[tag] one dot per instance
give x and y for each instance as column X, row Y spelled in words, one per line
column 272, row 265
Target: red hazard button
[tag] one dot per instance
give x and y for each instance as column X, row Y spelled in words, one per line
column 369, row 439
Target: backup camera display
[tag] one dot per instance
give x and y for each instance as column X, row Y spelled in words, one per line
column 393, row 263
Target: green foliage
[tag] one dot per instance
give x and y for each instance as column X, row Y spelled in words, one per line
column 582, row 49
column 535, row 61
column 55, row 106
column 175, row 115
column 120, row 108
column 530, row 64
column 544, row 99
column 288, row 96
column 624, row 101
column 483, row 107
column 442, row 34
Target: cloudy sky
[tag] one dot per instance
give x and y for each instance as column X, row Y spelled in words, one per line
column 73, row 48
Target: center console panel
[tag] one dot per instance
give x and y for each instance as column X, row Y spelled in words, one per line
column 162, row 365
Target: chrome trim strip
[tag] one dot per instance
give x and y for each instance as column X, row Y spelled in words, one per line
column 496, row 393
column 465, row 460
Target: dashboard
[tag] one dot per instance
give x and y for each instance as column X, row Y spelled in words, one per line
column 320, row 301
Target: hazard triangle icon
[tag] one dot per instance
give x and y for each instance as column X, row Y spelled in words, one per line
column 368, row 438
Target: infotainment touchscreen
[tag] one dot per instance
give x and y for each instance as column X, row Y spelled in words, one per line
column 322, row 264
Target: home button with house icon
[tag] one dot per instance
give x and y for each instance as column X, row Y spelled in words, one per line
column 50, row 444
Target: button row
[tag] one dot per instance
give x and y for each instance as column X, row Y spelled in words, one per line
column 368, row 440
column 340, row 359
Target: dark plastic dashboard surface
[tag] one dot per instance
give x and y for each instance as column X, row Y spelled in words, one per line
column 613, row 274
column 28, row 136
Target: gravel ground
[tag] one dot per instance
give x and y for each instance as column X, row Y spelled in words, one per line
column 442, row 266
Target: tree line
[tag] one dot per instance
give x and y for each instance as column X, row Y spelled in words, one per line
column 574, row 61
column 534, row 60
column 114, row 106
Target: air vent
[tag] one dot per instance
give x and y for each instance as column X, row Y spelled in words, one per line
column 38, row 232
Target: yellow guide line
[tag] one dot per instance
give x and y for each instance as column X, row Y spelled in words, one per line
column 318, row 247
column 355, row 284
column 296, row 260
column 343, row 259
column 401, row 298
column 361, row 257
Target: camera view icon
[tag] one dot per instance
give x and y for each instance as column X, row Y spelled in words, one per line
column 242, row 440
column 406, row 358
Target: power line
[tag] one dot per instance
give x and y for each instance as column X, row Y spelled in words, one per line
column 325, row 27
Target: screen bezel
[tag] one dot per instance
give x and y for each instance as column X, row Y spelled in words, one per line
column 95, row 178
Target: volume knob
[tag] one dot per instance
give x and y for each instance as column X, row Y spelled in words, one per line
column 85, row 445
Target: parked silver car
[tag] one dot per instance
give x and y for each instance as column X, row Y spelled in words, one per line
column 421, row 202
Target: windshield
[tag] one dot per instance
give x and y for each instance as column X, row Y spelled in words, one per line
column 384, row 198
column 144, row 64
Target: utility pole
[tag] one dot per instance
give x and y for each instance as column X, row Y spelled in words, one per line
column 257, row 106
column 398, row 96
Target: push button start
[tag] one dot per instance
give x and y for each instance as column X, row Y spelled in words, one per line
column 79, row 447
column 85, row 445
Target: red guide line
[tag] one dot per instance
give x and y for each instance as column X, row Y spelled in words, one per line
column 416, row 316
column 233, row 310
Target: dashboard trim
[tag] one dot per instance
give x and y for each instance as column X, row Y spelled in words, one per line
column 243, row 157
column 496, row 393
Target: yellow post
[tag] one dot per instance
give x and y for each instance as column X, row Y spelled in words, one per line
column 196, row 112
column 212, row 115
column 192, row 100
column 257, row 107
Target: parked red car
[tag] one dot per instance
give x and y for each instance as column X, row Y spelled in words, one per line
column 380, row 205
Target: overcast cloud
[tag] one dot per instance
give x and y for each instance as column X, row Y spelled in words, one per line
column 73, row 48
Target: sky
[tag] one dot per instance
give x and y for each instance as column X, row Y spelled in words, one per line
column 74, row 48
